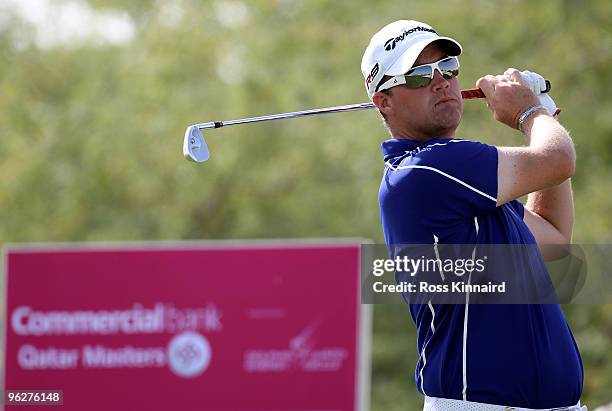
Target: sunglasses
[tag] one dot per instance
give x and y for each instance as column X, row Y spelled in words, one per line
column 421, row 76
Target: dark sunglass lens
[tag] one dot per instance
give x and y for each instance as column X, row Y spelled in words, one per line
column 449, row 67
column 448, row 74
column 417, row 81
column 420, row 71
column 449, row 64
column 418, row 77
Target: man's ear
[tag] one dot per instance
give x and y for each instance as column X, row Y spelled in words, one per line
column 383, row 102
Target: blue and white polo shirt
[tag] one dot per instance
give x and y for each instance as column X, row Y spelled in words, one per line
column 515, row 355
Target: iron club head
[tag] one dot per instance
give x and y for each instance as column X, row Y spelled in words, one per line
column 194, row 146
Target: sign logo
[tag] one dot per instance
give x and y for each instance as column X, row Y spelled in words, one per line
column 189, row 354
column 302, row 355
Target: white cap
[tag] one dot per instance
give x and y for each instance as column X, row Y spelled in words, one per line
column 394, row 49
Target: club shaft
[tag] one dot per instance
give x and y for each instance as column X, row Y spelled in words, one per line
column 293, row 114
column 466, row 94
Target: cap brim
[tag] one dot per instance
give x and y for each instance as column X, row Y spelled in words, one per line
column 406, row 61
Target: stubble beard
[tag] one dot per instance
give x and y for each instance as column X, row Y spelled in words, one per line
column 445, row 121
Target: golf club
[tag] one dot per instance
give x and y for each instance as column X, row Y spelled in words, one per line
column 195, row 148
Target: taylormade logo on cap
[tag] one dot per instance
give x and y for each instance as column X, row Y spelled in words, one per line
column 395, row 48
column 390, row 44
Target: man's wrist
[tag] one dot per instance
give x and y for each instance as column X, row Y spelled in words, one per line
column 528, row 114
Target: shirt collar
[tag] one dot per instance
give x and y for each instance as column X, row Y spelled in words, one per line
column 399, row 146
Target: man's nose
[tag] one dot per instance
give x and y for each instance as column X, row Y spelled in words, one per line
column 439, row 82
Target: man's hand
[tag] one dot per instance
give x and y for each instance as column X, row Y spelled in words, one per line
column 536, row 83
column 507, row 97
column 530, row 79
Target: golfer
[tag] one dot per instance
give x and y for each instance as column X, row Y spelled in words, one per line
column 440, row 189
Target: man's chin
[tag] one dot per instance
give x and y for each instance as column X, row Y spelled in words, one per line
column 445, row 127
column 448, row 120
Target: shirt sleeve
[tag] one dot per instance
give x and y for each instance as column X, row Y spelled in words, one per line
column 452, row 181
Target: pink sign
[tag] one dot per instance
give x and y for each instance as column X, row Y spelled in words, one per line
column 192, row 327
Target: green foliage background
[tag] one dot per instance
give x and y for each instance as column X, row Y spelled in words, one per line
column 91, row 134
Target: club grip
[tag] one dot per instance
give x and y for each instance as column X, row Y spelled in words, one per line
column 472, row 93
column 477, row 93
